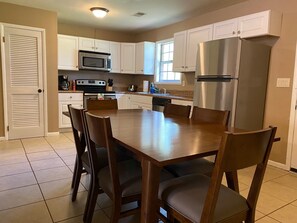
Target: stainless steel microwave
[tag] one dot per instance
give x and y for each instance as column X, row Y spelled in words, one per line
column 88, row 60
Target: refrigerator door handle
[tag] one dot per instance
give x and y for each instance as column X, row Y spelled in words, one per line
column 219, row 79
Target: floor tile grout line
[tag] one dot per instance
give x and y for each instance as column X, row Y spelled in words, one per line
column 39, row 187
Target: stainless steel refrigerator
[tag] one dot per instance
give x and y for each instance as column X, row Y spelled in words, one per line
column 231, row 74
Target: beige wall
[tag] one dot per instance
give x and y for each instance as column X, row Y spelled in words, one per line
column 20, row 15
column 282, row 57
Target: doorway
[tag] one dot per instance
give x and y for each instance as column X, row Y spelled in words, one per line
column 23, row 81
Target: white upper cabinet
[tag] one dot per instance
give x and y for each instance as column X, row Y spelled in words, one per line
column 185, row 47
column 145, row 58
column 128, row 58
column 67, row 52
column 194, row 37
column 115, row 51
column 258, row 24
column 96, row 45
column 179, row 51
column 225, row 29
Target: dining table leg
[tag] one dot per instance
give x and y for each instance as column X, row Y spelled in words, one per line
column 150, row 187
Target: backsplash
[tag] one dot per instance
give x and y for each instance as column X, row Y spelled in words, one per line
column 122, row 81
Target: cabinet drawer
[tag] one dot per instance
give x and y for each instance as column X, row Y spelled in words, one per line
column 70, row 96
column 141, row 99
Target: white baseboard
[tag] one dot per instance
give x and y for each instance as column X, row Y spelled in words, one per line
column 278, row 165
column 2, row 138
column 52, row 134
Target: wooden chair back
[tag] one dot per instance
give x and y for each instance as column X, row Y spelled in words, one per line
column 237, row 151
column 98, row 132
column 204, row 115
column 177, row 110
column 94, row 104
column 75, row 115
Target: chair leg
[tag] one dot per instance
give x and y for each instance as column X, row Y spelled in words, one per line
column 116, row 211
column 91, row 202
column 76, row 181
column 74, row 173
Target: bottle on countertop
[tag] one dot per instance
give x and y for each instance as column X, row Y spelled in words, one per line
column 73, row 85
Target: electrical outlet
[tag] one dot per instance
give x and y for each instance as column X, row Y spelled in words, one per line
column 283, row 82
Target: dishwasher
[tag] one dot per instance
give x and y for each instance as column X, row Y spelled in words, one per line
column 159, row 103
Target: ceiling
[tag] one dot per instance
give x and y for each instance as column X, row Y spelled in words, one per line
column 158, row 13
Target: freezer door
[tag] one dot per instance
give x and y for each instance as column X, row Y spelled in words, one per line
column 218, row 58
column 214, row 94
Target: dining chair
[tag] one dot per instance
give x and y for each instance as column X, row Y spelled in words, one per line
column 94, row 104
column 200, row 165
column 121, row 181
column 199, row 198
column 177, row 110
column 82, row 163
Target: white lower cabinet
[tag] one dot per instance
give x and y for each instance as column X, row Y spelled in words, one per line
column 75, row 99
column 122, row 101
column 140, row 102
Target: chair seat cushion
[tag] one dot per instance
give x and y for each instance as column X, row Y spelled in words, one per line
column 187, row 196
column 130, row 174
column 196, row 166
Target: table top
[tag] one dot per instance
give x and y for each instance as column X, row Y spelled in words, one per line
column 163, row 139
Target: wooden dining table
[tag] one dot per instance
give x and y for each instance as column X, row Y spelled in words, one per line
column 158, row 140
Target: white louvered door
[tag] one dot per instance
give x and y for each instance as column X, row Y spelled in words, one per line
column 24, row 82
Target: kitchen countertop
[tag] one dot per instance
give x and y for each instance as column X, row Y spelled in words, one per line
column 159, row 95
column 169, row 96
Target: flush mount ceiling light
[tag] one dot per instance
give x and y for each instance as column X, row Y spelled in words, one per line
column 99, row 11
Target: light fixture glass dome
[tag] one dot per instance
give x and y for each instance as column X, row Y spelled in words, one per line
column 99, row 11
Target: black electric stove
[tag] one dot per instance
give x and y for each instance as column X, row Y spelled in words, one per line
column 92, row 86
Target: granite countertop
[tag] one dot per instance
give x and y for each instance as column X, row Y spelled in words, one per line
column 159, row 95
column 169, row 96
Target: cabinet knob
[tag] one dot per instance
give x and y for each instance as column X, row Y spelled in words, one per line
column 238, row 31
column 70, row 97
column 233, row 32
column 183, row 66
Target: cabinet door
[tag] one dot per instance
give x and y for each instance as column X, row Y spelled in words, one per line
column 225, row 29
column 122, row 101
column 102, row 46
column 86, row 44
column 258, row 24
column 128, row 58
column 194, row 37
column 67, row 52
column 139, row 63
column 145, row 58
column 179, row 53
column 64, row 121
column 115, row 51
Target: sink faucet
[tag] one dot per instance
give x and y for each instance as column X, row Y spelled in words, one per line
column 164, row 90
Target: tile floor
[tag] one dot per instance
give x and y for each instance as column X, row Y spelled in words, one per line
column 36, row 173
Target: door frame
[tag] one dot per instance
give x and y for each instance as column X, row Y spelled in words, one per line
column 292, row 116
column 44, row 71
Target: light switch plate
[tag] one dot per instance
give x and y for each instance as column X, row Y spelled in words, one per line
column 283, row 82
